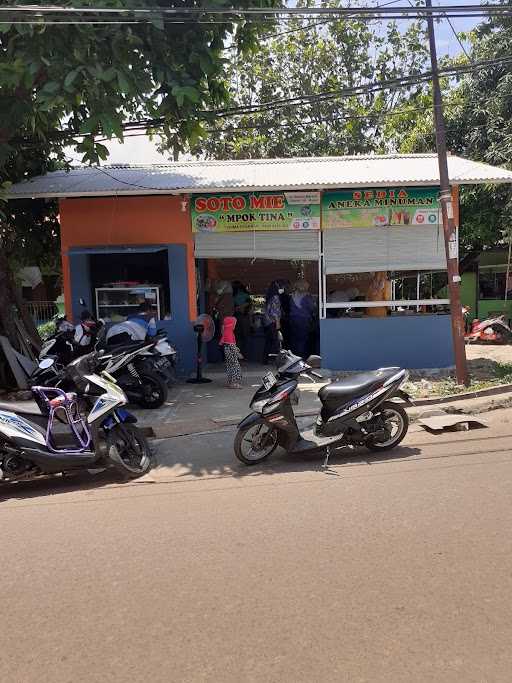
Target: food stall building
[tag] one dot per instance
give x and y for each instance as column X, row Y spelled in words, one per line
column 365, row 232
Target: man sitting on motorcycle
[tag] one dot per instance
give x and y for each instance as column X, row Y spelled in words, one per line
column 85, row 332
column 135, row 328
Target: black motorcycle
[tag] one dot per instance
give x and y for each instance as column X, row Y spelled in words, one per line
column 130, row 368
column 361, row 410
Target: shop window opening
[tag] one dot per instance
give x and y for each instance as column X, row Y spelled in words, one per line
column 248, row 281
column 382, row 293
column 123, row 283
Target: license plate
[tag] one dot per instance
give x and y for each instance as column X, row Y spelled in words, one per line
column 269, row 380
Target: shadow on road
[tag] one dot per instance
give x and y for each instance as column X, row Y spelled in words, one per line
column 58, row 484
column 218, row 460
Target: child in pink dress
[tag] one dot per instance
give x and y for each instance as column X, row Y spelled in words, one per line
column 231, row 353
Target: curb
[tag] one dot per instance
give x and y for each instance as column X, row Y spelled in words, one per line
column 211, row 426
column 482, row 393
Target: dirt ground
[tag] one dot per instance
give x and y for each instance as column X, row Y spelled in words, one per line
column 487, row 364
column 488, row 353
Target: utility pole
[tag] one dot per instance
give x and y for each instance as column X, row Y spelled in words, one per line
column 449, row 228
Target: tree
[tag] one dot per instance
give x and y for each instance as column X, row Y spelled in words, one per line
column 58, row 82
column 478, row 112
column 76, row 84
column 306, row 58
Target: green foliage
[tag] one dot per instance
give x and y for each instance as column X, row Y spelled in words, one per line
column 310, row 58
column 478, row 113
column 60, row 81
column 46, row 329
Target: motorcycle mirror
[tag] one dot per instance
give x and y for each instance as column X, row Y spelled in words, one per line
column 46, row 363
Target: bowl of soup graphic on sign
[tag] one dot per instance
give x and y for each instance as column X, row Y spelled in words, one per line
column 206, row 223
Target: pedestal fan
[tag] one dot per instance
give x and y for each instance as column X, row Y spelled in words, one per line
column 204, row 327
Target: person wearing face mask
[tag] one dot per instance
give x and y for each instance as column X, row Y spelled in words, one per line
column 302, row 318
column 285, row 299
column 272, row 319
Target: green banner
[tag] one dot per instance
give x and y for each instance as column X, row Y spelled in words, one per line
column 243, row 211
column 381, row 208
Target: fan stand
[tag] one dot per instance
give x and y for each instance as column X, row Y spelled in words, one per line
column 199, row 379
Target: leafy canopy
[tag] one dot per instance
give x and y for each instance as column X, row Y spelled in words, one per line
column 306, row 57
column 58, row 82
column 478, row 113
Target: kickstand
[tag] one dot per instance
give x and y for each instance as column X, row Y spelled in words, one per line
column 325, row 466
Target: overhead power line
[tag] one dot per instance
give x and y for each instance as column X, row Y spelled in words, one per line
column 35, row 14
column 362, row 89
column 264, row 107
column 250, row 11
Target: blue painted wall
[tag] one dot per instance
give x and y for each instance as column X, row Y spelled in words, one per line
column 422, row 341
column 80, row 283
column 179, row 328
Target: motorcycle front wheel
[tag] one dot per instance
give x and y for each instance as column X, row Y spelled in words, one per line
column 255, row 442
column 128, row 451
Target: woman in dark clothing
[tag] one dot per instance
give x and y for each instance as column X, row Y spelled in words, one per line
column 242, row 303
column 272, row 319
column 302, row 315
column 285, row 299
column 223, row 299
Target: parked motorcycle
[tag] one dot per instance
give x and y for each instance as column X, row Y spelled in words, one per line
column 135, row 372
column 107, row 437
column 160, row 358
column 493, row 330
column 358, row 411
column 129, row 368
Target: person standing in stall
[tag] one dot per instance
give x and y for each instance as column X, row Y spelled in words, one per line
column 272, row 319
column 242, row 303
column 223, row 299
column 284, row 298
column 302, row 318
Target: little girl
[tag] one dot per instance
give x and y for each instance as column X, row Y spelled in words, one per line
column 231, row 353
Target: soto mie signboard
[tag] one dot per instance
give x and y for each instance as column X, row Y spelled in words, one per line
column 243, row 211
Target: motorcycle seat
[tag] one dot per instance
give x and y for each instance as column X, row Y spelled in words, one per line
column 356, row 385
column 21, row 407
column 125, row 348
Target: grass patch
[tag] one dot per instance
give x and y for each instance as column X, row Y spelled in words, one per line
column 501, row 373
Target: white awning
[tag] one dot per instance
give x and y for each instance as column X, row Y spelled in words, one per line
column 366, row 250
column 281, row 245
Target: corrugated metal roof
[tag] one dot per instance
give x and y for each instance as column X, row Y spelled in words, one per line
column 258, row 174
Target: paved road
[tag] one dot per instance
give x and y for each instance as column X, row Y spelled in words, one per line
column 380, row 570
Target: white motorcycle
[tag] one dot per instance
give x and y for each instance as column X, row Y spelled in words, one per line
column 31, row 443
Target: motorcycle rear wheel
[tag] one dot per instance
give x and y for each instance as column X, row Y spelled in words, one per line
column 132, row 456
column 153, row 390
column 394, row 416
column 262, row 440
